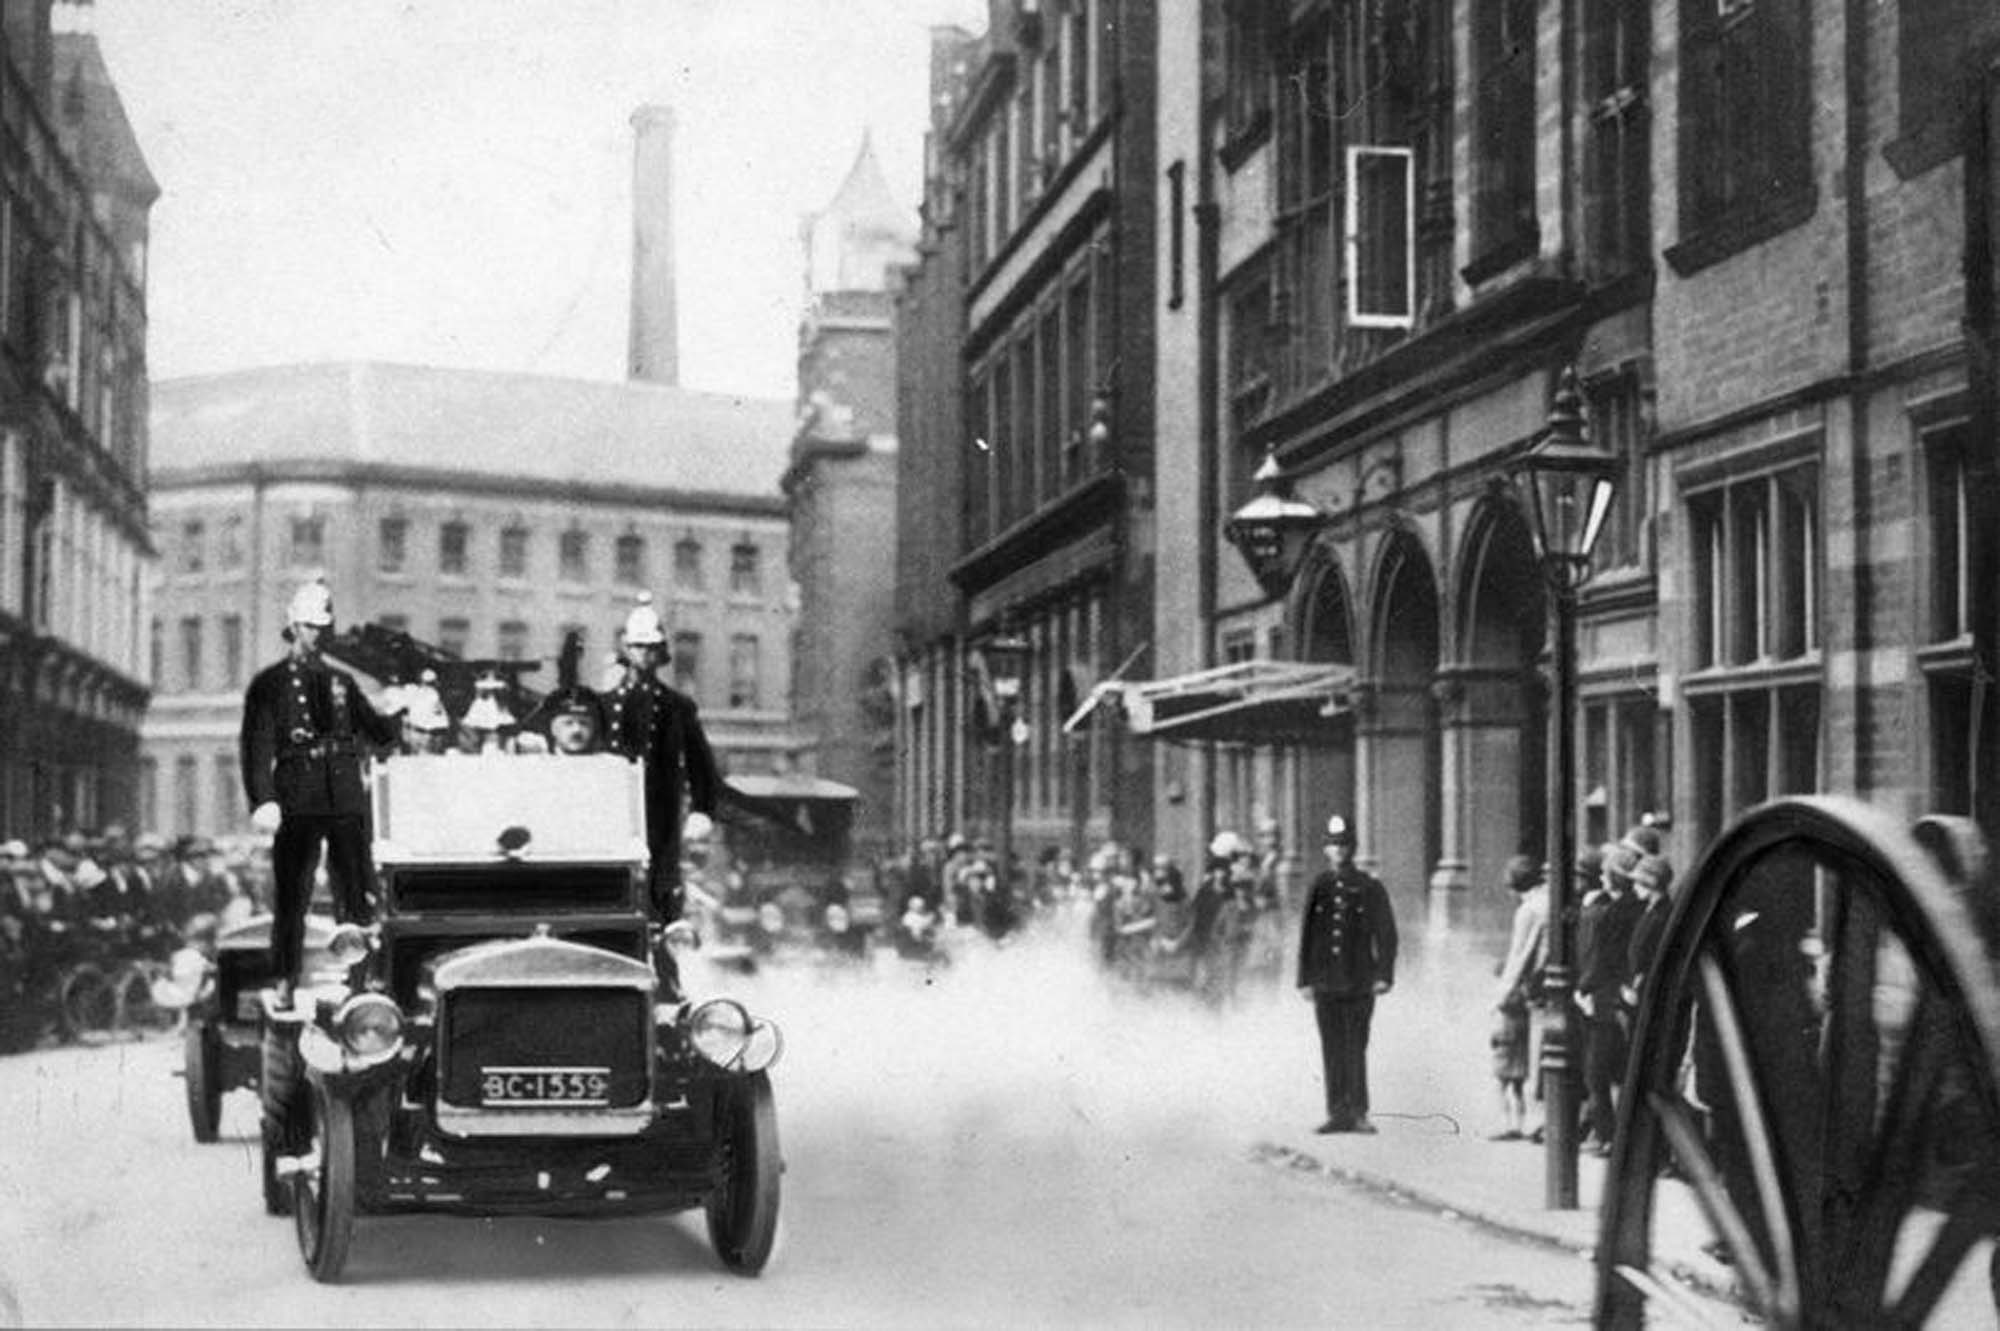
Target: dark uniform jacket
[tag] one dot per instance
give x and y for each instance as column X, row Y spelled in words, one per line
column 1347, row 941
column 653, row 724
column 306, row 728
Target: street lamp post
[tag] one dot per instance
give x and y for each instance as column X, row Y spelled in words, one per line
column 1273, row 530
column 1005, row 656
column 1569, row 484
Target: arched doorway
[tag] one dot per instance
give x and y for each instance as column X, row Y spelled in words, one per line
column 1325, row 769
column 1493, row 716
column 1397, row 730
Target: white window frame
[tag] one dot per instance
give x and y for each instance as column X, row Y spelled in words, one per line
column 1356, row 316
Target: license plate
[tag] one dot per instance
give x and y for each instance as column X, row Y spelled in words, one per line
column 545, row 1086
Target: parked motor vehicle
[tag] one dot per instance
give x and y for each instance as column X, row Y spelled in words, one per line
column 516, row 1037
column 797, row 888
column 220, row 987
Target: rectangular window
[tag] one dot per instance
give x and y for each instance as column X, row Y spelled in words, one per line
column 229, row 545
column 629, row 560
column 308, row 544
column 1026, row 447
column 1381, row 241
column 392, row 545
column 1938, row 49
column 194, row 546
column 157, row 654
column 1951, row 536
column 744, row 669
column 453, row 540
column 1176, row 235
column 1006, row 444
column 224, row 777
column 191, row 663
column 1620, row 758
column 1617, row 171
column 1503, row 158
column 513, row 640
column 1247, row 76
column 689, row 575
column 746, row 575
column 1049, row 395
column 1077, row 106
column 1077, row 388
column 232, row 651
column 1618, row 423
column 454, row 635
column 187, row 794
column 514, row 552
column 1756, row 552
column 687, row 663
column 573, row 556
column 1746, row 127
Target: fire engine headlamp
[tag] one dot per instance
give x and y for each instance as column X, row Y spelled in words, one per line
column 837, row 918
column 771, row 917
column 719, row 1030
column 369, row 1025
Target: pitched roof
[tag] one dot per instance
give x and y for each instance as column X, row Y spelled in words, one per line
column 107, row 149
column 864, row 232
column 478, row 422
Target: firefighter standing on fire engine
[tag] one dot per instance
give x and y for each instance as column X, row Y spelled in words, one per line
column 306, row 729
column 660, row 727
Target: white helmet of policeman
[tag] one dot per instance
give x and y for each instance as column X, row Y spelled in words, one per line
column 311, row 607
column 643, row 627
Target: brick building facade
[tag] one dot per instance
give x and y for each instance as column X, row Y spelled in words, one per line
column 73, row 447
column 841, row 492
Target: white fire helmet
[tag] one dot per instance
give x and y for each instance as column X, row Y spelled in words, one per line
column 312, row 605
column 642, row 626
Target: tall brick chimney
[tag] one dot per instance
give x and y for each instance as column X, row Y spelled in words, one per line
column 654, row 354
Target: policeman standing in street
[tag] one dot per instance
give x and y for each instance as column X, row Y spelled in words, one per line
column 660, row 727
column 1347, row 958
column 306, row 729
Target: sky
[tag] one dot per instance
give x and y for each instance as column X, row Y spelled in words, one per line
column 448, row 182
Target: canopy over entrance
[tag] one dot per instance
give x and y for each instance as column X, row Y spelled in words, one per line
column 1247, row 702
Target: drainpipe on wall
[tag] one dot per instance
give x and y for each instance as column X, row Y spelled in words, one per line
column 1854, row 169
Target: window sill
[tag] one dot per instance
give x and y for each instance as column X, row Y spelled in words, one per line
column 576, row 589
column 1731, row 234
column 1928, row 145
column 1953, row 656
column 396, row 577
column 1238, row 147
column 1504, row 254
column 1805, row 669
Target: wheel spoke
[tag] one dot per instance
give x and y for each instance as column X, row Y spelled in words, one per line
column 1972, row 1216
column 1746, row 1088
column 1687, row 1309
column 1893, row 1171
column 1709, row 1189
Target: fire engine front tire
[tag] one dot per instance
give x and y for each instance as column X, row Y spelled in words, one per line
column 323, row 1195
column 204, row 1092
column 281, row 1087
column 743, row 1210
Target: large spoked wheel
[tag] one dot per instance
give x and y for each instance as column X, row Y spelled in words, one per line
column 1816, row 1059
column 323, row 1191
column 199, row 1072
column 743, row 1211
column 86, row 1001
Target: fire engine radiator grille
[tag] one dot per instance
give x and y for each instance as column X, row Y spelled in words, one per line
column 559, row 1036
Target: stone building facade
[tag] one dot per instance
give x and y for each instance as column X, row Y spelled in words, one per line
column 75, row 195
column 486, row 513
column 1374, row 236
column 1026, row 419
column 1743, row 226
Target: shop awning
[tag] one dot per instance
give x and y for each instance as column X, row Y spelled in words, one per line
column 1247, row 702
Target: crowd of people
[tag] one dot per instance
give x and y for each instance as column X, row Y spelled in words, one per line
column 106, row 893
column 1229, row 930
column 1621, row 903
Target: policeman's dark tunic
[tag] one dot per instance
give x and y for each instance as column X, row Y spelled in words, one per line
column 306, row 730
column 1347, row 945
column 661, row 728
